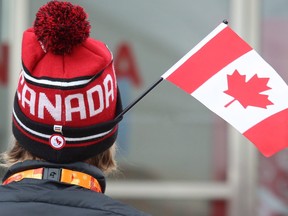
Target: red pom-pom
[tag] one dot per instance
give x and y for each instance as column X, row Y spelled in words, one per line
column 59, row 26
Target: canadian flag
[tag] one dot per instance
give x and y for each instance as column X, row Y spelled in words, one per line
column 230, row 78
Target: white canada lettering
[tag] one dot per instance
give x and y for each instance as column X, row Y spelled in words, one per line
column 109, row 93
column 44, row 103
column 91, row 103
column 98, row 97
column 70, row 109
column 21, row 81
column 28, row 100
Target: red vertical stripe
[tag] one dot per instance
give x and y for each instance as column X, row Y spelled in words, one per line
column 221, row 50
column 3, row 64
column 271, row 134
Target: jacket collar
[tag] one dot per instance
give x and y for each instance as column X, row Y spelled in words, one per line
column 78, row 166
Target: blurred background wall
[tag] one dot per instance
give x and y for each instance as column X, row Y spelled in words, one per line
column 176, row 157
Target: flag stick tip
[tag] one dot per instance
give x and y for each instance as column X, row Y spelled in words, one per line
column 225, row 21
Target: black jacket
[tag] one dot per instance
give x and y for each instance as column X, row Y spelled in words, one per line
column 47, row 197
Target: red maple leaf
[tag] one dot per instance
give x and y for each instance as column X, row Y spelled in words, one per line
column 58, row 141
column 248, row 93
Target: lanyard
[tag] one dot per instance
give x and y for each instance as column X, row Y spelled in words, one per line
column 60, row 175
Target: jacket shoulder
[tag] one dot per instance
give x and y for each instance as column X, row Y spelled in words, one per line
column 73, row 201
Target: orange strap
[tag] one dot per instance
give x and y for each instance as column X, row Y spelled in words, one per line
column 67, row 176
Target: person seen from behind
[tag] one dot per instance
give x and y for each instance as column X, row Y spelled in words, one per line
column 64, row 121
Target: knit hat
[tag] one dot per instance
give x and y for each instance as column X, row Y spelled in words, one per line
column 67, row 96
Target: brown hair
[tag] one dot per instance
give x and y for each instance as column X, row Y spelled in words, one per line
column 105, row 161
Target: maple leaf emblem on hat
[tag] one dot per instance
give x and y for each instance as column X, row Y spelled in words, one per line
column 248, row 93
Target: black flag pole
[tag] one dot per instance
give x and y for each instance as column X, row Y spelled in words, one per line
column 225, row 21
column 139, row 98
column 145, row 92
